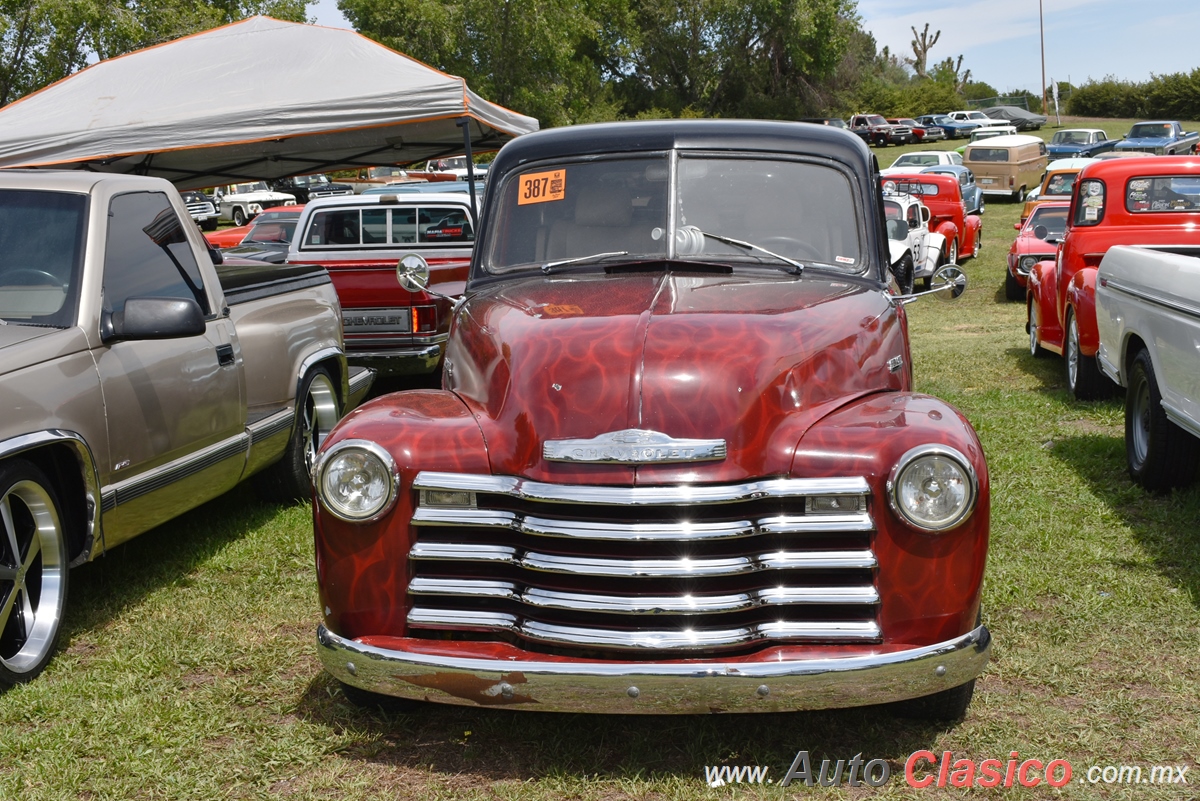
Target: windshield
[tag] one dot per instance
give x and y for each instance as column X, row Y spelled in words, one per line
column 978, row 115
column 41, row 252
column 917, row 160
column 620, row 206
column 1060, row 183
column 272, row 231
column 311, row 180
column 241, row 189
column 1055, row 220
column 1071, row 138
column 387, row 172
column 1150, row 130
column 942, row 120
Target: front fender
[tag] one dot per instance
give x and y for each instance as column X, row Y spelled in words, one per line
column 949, row 231
column 362, row 568
column 974, row 229
column 937, row 247
column 929, row 584
column 1042, row 298
column 1081, row 297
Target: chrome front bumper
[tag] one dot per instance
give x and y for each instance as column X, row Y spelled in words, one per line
column 659, row 688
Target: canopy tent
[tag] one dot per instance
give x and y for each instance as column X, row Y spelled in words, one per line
column 257, row 99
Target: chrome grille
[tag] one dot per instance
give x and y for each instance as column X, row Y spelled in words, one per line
column 589, row 569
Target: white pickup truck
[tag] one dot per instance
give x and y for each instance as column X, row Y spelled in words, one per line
column 1148, row 313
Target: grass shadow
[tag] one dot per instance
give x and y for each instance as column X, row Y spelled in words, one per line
column 499, row 744
column 1164, row 525
column 163, row 556
column 1048, row 370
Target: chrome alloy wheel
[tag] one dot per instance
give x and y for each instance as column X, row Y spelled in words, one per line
column 33, row 585
column 1139, row 431
column 320, row 415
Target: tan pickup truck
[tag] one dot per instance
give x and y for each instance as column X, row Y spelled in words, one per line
column 139, row 380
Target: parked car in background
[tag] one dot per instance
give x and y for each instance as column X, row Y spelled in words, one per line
column 359, row 240
column 241, row 203
column 1021, row 119
column 1057, row 184
column 425, row 188
column 1037, row 240
column 267, row 240
column 201, row 208
column 310, row 187
column 972, row 195
column 598, row 511
column 971, row 115
column 1079, row 143
column 139, row 380
column 1161, row 137
column 456, row 166
column 1007, row 165
column 942, row 196
column 922, row 133
column 915, row 252
column 875, row 130
column 986, row 132
column 910, row 162
column 368, row 177
column 1146, row 299
column 230, row 237
column 833, row 122
column 954, row 128
column 1150, row 201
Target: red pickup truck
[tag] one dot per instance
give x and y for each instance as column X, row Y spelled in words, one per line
column 1153, row 201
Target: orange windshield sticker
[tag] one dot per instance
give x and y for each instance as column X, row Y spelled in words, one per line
column 541, row 187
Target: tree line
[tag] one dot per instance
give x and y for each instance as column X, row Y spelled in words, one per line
column 561, row 61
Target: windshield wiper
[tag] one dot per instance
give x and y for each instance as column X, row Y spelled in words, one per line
column 751, row 246
column 549, row 266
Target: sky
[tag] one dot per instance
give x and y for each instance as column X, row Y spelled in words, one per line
column 998, row 39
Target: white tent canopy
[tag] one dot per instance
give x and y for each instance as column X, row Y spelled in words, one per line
column 258, row 99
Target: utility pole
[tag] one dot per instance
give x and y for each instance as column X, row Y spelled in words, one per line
column 1042, row 28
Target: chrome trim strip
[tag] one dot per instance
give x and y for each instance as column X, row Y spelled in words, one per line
column 156, row 478
column 1180, row 419
column 643, row 568
column 95, row 501
column 269, row 426
column 633, row 446
column 864, row 676
column 684, row 494
column 641, row 604
column 642, row 639
column 626, row 532
column 1155, row 299
column 359, row 378
column 817, row 524
column 399, row 353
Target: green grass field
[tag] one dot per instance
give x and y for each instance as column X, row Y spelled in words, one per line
column 188, row 666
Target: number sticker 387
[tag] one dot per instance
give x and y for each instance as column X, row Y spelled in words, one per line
column 542, row 187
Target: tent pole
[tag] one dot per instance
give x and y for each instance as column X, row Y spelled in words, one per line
column 465, row 124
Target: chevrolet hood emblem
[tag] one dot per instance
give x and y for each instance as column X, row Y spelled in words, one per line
column 633, row 446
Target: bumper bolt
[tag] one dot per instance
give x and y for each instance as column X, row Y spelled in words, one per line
column 633, row 692
column 764, row 690
column 506, row 690
column 941, row 670
column 351, row 669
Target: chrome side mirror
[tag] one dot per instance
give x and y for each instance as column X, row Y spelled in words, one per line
column 948, row 283
column 412, row 272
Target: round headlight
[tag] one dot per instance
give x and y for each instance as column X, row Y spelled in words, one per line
column 356, row 480
column 933, row 488
column 1027, row 263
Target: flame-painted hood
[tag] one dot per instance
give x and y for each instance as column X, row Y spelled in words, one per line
column 751, row 359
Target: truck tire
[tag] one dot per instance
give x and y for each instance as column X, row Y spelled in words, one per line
column 239, row 216
column 1084, row 379
column 1160, row 455
column 903, row 273
column 290, row 479
column 210, row 224
column 33, row 571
